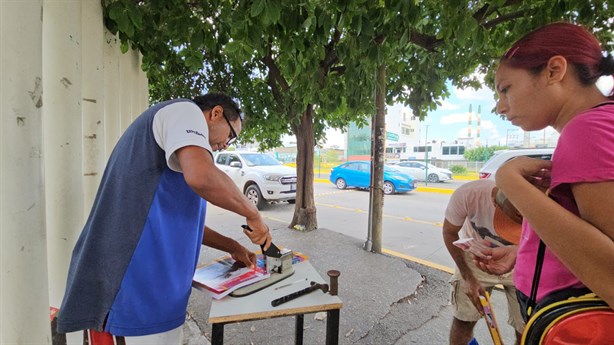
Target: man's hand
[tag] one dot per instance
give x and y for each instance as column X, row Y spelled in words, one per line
column 473, row 289
column 244, row 256
column 259, row 233
column 502, row 260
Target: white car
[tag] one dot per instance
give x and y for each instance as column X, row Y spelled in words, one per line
column 261, row 177
column 490, row 167
column 418, row 170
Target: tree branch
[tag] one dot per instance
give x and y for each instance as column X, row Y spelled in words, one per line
column 330, row 57
column 274, row 79
column 504, row 18
column 425, row 41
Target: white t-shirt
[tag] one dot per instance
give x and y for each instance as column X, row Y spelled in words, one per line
column 472, row 206
column 178, row 125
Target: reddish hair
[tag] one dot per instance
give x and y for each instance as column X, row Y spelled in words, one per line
column 577, row 45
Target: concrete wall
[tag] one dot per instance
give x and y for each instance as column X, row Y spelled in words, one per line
column 66, row 95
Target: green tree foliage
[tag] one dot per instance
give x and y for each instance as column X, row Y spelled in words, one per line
column 458, row 169
column 482, row 154
column 301, row 66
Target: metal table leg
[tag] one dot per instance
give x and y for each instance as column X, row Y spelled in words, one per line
column 298, row 330
column 217, row 334
column 332, row 327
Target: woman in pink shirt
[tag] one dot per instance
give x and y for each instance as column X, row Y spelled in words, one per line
column 547, row 78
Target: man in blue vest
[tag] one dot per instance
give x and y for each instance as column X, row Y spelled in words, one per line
column 132, row 267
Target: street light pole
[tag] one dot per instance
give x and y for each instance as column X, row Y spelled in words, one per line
column 507, row 135
column 426, row 156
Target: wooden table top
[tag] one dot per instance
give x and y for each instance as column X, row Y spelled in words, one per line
column 258, row 305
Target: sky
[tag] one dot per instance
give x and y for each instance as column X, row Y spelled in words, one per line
column 450, row 120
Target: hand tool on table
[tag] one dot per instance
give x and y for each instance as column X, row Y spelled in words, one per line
column 314, row 286
column 272, row 251
column 278, row 263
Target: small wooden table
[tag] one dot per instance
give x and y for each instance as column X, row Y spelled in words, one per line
column 258, row 306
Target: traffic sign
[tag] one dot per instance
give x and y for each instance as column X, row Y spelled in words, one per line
column 392, row 136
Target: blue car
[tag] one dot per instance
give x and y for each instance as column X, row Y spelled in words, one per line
column 358, row 174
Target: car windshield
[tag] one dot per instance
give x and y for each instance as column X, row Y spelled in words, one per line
column 254, row 159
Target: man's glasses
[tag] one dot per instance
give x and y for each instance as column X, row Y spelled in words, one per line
column 232, row 136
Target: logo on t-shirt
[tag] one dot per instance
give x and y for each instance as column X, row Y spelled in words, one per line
column 195, row 132
column 485, row 232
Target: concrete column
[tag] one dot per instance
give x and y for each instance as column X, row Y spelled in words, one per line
column 126, row 78
column 24, row 301
column 62, row 133
column 92, row 100
column 112, row 127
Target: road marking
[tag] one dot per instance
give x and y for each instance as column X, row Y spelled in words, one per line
column 333, row 193
column 418, row 260
column 276, row 219
column 404, row 219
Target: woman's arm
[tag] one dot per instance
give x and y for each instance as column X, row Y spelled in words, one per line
column 584, row 244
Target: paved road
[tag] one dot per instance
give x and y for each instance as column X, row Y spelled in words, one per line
column 411, row 222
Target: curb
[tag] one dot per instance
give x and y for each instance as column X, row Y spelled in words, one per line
column 435, row 190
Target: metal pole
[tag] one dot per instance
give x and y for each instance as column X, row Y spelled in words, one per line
column 426, row 157
column 320, row 160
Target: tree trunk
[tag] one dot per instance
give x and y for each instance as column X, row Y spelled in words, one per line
column 305, row 209
column 376, row 199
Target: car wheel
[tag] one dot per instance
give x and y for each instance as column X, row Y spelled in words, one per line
column 340, row 183
column 254, row 195
column 433, row 178
column 388, row 188
column 292, row 201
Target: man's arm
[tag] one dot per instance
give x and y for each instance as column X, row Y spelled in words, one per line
column 213, row 185
column 471, row 285
column 238, row 252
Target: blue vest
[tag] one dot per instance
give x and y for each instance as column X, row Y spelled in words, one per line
column 134, row 261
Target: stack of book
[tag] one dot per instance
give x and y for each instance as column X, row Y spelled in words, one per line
column 224, row 275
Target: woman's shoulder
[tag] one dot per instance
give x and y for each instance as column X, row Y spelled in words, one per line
column 600, row 118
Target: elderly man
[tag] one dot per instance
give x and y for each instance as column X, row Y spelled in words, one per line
column 132, row 267
column 480, row 214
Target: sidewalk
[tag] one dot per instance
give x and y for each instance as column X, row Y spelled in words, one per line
column 386, row 300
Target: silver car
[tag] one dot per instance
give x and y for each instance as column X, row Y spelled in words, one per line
column 419, row 170
column 500, row 157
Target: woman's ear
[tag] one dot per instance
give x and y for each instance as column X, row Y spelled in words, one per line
column 556, row 69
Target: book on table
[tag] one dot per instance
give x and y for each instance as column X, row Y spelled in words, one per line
column 224, row 275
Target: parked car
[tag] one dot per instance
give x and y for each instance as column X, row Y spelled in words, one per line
column 260, row 176
column 358, row 174
column 502, row 156
column 419, row 171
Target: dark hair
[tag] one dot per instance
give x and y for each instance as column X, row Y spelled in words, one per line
column 576, row 44
column 210, row 100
